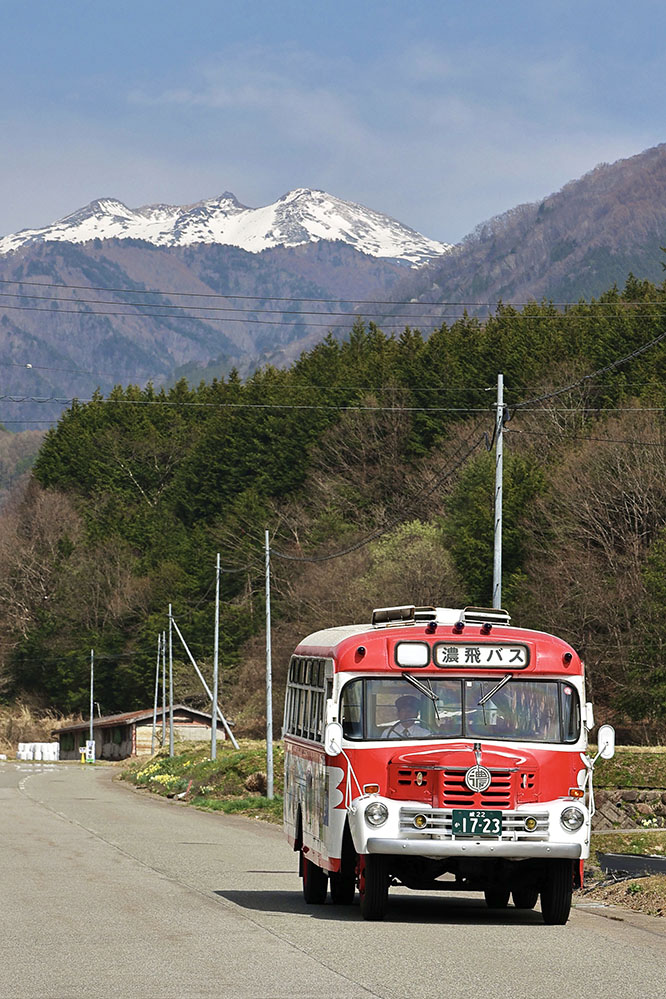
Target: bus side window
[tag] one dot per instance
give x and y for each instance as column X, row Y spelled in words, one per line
column 350, row 710
column 319, row 716
column 286, row 725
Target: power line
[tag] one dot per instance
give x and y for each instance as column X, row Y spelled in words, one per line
column 200, row 308
column 44, row 367
column 575, row 437
column 177, row 404
column 325, row 301
column 442, row 317
column 198, row 319
column 307, row 386
column 166, row 403
column 595, row 374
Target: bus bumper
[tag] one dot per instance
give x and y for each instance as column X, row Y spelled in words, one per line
column 409, row 829
column 473, row 848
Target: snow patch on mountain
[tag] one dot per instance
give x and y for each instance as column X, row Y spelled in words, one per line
column 301, row 216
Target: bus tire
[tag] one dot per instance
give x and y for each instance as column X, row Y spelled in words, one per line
column 343, row 888
column 343, row 882
column 525, row 898
column 556, row 893
column 373, row 885
column 497, row 898
column 315, row 883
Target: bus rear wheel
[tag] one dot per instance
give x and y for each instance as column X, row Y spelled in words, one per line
column 525, row 898
column 315, row 883
column 497, row 898
column 373, row 885
column 343, row 888
column 556, row 893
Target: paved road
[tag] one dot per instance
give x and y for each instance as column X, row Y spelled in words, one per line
column 110, row 893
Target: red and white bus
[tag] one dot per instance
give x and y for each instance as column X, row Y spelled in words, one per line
column 439, row 749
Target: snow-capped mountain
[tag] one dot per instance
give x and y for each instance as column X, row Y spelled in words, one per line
column 301, row 216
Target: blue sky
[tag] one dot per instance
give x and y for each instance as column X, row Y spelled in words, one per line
column 441, row 114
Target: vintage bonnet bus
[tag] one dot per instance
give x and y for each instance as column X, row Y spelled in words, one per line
column 439, row 749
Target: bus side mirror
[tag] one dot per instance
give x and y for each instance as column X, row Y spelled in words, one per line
column 589, row 716
column 606, row 742
column 333, row 739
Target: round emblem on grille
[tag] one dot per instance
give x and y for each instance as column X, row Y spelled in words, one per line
column 478, row 778
column 419, row 778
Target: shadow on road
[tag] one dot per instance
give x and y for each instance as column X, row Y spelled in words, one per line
column 402, row 908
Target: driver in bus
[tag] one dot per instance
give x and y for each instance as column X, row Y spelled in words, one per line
column 407, row 726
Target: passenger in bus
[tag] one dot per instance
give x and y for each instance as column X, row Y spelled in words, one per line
column 408, row 725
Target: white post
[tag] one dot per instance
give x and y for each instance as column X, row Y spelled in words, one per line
column 170, row 682
column 216, row 649
column 269, row 677
column 157, row 692
column 499, row 468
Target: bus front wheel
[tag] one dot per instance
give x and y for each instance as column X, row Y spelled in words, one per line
column 315, row 883
column 556, row 893
column 373, row 885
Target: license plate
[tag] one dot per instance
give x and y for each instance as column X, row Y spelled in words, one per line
column 476, row 822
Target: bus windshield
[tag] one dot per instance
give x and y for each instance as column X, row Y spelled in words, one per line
column 528, row 710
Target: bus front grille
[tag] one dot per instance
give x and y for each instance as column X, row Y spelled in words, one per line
column 456, row 794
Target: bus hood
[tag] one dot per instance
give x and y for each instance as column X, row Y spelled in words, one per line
column 516, row 776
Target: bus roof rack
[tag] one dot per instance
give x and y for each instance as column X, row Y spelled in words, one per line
column 393, row 615
column 425, row 613
column 386, row 617
column 481, row 615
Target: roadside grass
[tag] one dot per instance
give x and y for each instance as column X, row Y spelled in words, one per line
column 633, row 766
column 233, row 783
column 255, row 806
column 639, row 841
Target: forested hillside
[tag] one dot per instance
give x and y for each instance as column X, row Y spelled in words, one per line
column 572, row 244
column 375, row 446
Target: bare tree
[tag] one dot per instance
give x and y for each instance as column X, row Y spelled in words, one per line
column 590, row 538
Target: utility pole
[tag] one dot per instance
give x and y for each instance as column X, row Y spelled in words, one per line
column 157, row 691
column 163, row 689
column 170, row 682
column 269, row 677
column 499, row 469
column 216, row 649
column 92, row 684
column 204, row 684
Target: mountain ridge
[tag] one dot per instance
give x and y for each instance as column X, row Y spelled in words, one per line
column 284, row 299
column 301, row 216
column 575, row 243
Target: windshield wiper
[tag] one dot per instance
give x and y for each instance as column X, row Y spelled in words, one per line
column 486, row 697
column 428, row 691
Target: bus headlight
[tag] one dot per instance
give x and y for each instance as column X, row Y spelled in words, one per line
column 572, row 818
column 376, row 813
